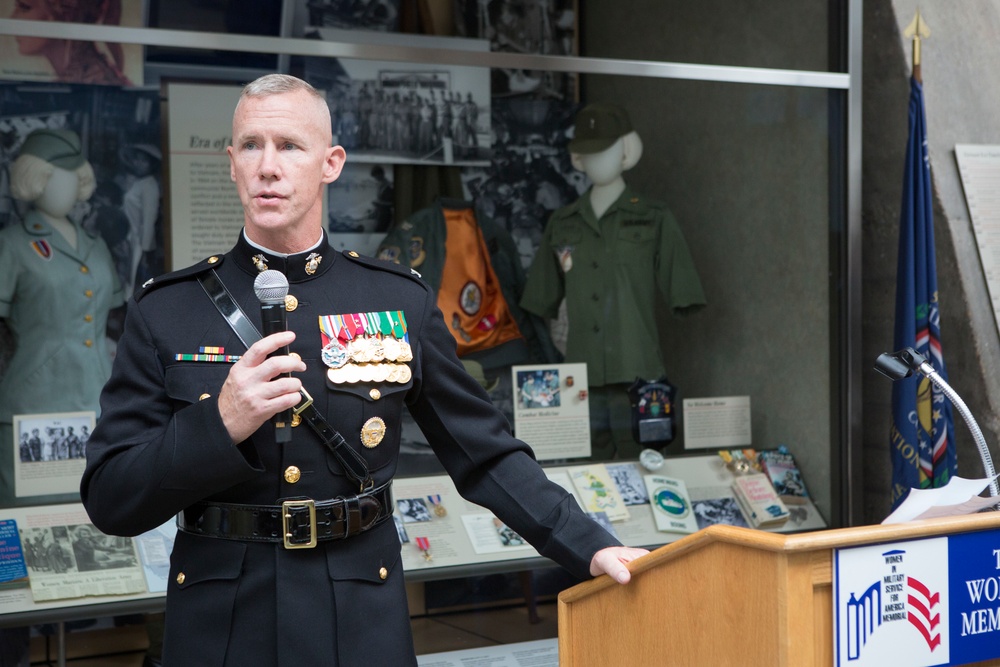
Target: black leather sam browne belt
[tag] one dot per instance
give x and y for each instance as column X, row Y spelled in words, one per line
column 297, row 523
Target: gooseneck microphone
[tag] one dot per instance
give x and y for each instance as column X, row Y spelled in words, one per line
column 271, row 288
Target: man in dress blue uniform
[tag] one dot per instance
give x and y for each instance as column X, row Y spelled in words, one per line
column 282, row 558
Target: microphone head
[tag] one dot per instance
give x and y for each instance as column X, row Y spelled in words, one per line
column 270, row 286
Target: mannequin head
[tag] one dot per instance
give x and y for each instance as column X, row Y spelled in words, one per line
column 604, row 144
column 51, row 171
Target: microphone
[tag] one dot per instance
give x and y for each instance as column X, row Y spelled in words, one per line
column 271, row 287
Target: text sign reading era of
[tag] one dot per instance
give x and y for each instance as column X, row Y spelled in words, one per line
column 920, row 603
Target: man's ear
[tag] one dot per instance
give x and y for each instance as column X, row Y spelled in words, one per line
column 334, row 164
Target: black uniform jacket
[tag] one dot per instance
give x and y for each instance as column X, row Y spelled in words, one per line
column 160, row 445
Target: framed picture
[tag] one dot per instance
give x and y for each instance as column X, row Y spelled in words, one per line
column 50, row 452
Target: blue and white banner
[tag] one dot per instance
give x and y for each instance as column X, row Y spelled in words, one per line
column 919, row 603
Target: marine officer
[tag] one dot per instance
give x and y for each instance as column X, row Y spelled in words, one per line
column 285, row 553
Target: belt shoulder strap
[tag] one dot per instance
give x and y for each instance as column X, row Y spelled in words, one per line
column 352, row 463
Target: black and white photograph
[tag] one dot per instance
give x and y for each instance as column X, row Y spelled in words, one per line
column 718, row 510
column 413, row 510
column 379, row 15
column 360, row 207
column 545, row 27
column 530, row 175
column 538, row 389
column 53, row 437
column 400, row 529
column 628, row 479
column 508, row 537
column 74, row 549
column 405, row 113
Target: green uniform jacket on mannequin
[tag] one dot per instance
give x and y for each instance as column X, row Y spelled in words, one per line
column 609, row 270
column 55, row 300
column 161, row 446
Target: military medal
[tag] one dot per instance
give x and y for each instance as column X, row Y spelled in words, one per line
column 439, row 509
column 381, row 372
column 391, row 348
column 425, row 546
column 393, row 375
column 372, row 432
column 404, row 374
column 352, row 373
column 334, row 354
column 366, row 372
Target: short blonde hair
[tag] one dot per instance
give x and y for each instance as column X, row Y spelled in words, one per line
column 30, row 174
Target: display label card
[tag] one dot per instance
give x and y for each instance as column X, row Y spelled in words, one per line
column 12, row 566
column 717, row 423
column 50, row 452
column 551, row 411
column 155, row 547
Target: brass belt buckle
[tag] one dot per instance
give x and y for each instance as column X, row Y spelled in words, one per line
column 292, row 520
column 307, row 400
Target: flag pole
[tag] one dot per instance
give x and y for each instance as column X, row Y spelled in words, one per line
column 916, row 31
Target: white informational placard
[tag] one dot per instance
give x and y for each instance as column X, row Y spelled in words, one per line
column 551, row 410
column 717, row 423
column 205, row 211
column 979, row 169
column 49, row 452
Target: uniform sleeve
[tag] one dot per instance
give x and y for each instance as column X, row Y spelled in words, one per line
column 489, row 466
column 9, row 268
column 675, row 272
column 544, row 289
column 153, row 453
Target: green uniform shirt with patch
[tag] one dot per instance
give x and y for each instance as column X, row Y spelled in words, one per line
column 609, row 271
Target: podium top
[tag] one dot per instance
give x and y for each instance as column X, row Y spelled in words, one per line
column 818, row 541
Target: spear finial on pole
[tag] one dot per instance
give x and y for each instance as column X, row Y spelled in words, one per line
column 916, row 31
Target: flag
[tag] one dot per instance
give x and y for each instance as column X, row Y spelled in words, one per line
column 922, row 437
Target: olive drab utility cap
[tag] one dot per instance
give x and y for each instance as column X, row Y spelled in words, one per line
column 60, row 148
column 598, row 126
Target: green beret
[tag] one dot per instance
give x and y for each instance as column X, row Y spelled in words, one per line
column 597, row 127
column 61, row 148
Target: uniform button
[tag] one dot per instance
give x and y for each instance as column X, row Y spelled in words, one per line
column 88, row 318
column 383, row 573
column 204, row 396
column 84, row 269
column 291, row 303
column 88, row 293
column 295, row 355
column 180, row 578
column 292, row 474
column 213, row 259
column 353, row 254
column 375, row 394
column 88, row 343
column 296, row 420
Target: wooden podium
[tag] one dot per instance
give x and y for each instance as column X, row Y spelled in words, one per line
column 727, row 596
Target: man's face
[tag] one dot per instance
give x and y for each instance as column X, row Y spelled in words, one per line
column 280, row 160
